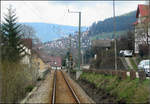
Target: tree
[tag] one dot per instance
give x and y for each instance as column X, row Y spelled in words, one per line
column 10, row 31
column 27, row 31
column 126, row 42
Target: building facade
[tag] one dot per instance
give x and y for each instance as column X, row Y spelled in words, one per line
column 56, row 62
column 142, row 27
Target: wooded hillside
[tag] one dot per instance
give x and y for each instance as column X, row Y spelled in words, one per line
column 123, row 22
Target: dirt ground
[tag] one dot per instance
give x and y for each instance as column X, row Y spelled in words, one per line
column 98, row 95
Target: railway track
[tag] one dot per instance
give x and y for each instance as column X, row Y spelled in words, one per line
column 62, row 92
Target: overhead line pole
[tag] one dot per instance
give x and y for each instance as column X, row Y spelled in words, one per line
column 79, row 36
column 79, row 39
column 69, row 69
column 149, row 26
column 115, row 46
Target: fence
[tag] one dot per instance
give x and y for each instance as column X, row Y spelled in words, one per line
column 121, row 74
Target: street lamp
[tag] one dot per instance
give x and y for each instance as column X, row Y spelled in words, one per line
column 79, row 49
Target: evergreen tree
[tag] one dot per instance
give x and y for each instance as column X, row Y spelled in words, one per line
column 11, row 38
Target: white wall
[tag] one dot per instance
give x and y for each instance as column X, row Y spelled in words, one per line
column 26, row 58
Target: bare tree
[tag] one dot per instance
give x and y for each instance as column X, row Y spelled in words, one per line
column 27, row 31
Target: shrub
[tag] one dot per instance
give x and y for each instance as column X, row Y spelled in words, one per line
column 144, row 50
column 29, row 88
column 15, row 79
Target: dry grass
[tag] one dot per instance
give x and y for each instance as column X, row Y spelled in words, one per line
column 16, row 78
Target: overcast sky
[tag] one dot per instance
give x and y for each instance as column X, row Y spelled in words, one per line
column 57, row 11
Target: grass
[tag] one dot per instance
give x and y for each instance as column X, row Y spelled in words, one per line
column 130, row 91
column 133, row 64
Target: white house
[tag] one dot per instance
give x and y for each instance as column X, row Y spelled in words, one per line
column 142, row 26
column 27, row 46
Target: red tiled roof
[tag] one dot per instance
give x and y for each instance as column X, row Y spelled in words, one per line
column 147, row 20
column 143, row 10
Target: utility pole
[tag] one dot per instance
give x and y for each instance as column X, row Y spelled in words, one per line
column 82, row 52
column 149, row 27
column 115, row 46
column 79, row 36
column 69, row 69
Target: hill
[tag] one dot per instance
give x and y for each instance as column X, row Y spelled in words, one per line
column 123, row 23
column 49, row 32
column 108, row 35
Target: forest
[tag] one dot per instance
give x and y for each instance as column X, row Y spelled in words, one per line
column 123, row 22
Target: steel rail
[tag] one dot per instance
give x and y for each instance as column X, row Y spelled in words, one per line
column 72, row 91
column 54, row 89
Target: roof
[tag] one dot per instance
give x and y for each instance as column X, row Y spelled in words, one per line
column 101, row 43
column 143, row 10
column 27, row 42
column 145, row 21
column 55, row 61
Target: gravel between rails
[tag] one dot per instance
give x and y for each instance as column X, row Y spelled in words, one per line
column 63, row 93
column 41, row 95
column 84, row 98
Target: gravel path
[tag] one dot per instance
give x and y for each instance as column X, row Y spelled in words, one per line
column 41, row 94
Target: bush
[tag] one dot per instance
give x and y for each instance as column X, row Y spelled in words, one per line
column 16, row 77
column 29, row 88
column 144, row 50
column 105, row 59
